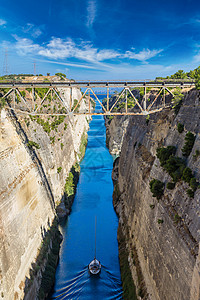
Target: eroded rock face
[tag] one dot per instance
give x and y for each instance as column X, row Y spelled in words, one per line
column 30, row 189
column 167, row 252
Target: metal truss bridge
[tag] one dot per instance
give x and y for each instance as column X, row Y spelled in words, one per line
column 27, row 98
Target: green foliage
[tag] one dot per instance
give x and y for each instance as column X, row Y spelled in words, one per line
column 190, row 193
column 129, row 290
column 74, row 105
column 177, row 100
column 69, row 185
column 152, row 206
column 61, row 145
column 180, row 74
column 52, row 139
column 23, row 93
column 61, row 75
column 82, row 145
column 52, row 237
column 189, row 142
column 160, row 221
column 147, row 119
column 187, row 175
column 109, row 118
column 157, row 188
column 175, row 166
column 170, row 185
column 32, row 144
column 196, row 155
column 59, row 170
column 194, row 183
column 65, row 126
column 177, row 218
column 2, row 102
column 164, row 154
column 195, row 74
column 180, row 127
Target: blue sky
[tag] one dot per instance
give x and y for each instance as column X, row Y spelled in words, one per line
column 100, row 39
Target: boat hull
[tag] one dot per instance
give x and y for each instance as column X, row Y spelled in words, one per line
column 94, row 267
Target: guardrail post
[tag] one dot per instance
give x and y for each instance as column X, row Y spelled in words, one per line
column 89, row 99
column 145, row 97
column 70, row 99
column 126, row 102
column 108, row 99
column 164, row 96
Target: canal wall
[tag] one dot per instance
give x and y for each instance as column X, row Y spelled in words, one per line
column 35, row 160
column 161, row 235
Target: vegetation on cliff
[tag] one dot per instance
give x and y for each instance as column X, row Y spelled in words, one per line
column 46, row 262
column 176, row 167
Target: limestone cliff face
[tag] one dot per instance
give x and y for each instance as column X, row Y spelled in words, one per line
column 164, row 254
column 115, row 131
column 30, row 189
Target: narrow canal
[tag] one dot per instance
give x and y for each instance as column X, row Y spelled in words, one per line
column 93, row 198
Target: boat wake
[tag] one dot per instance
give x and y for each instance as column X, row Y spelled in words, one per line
column 78, row 287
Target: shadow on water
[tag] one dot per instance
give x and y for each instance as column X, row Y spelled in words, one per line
column 93, row 198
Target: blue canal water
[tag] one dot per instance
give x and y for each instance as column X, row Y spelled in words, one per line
column 93, row 198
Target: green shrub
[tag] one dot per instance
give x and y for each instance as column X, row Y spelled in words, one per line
column 83, row 145
column 32, row 144
column 196, row 155
column 187, row 175
column 175, row 166
column 59, row 170
column 177, row 218
column 52, row 139
column 160, row 221
column 152, row 206
column 190, row 193
column 193, row 183
column 157, row 188
column 164, row 154
column 61, row 145
column 60, row 75
column 177, row 100
column 189, row 142
column 180, row 127
column 69, row 185
column 170, row 185
column 2, row 103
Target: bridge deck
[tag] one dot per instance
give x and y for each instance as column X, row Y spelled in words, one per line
column 97, row 84
column 32, row 103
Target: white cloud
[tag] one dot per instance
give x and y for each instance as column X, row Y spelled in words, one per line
column 143, row 55
column 2, row 22
column 25, row 46
column 91, row 13
column 58, row 48
column 82, row 66
column 33, row 30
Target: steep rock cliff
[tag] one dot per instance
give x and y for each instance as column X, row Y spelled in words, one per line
column 30, row 189
column 163, row 255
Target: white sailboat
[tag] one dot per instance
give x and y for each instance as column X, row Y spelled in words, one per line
column 95, row 265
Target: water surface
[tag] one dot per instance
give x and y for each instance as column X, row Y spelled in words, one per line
column 93, row 198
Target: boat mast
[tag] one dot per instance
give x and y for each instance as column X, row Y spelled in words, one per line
column 95, row 237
